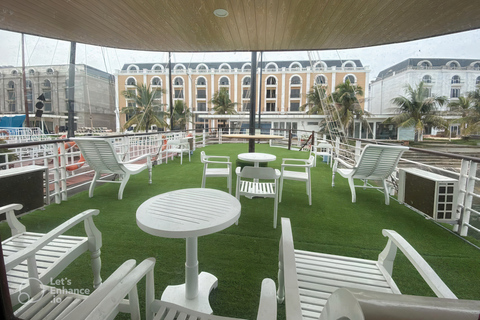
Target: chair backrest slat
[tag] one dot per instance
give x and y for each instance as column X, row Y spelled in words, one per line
column 377, row 161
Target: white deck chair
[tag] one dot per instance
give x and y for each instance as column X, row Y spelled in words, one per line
column 355, row 304
column 377, row 162
column 50, row 304
column 306, row 279
column 303, row 175
column 178, row 147
column 224, row 171
column 323, row 149
column 162, row 310
column 35, row 258
column 249, row 185
column 101, row 156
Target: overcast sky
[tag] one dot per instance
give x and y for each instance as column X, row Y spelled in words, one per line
column 43, row 51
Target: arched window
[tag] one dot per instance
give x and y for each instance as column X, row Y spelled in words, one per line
column 178, row 88
column 157, row 68
column 131, row 82
column 295, row 66
column 224, row 67
column 201, row 81
column 320, row 66
column 427, row 79
column 178, row 81
column 477, row 81
column 224, row 81
column 31, row 72
column 476, row 66
column 351, row 78
column 453, row 65
column 11, row 85
column 455, row 79
column 47, row 92
column 247, row 81
column 425, row 64
column 271, row 80
column 202, row 68
column 49, row 71
column 179, row 68
column 132, row 68
column 349, row 65
column 47, row 83
column 271, row 66
column 29, row 90
column 247, row 67
column 321, row 80
column 295, row 80
column 14, row 72
column 156, row 81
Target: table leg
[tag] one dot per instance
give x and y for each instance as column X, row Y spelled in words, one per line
column 194, row 293
column 191, row 269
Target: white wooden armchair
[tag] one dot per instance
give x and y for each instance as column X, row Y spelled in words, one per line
column 325, row 150
column 34, row 258
column 222, row 167
column 161, row 310
column 249, row 185
column 179, row 146
column 307, row 279
column 304, row 174
column 104, row 303
column 101, row 156
column 377, row 162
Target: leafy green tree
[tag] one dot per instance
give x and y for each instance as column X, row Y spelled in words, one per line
column 416, row 109
column 146, row 111
column 314, row 100
column 349, row 108
column 181, row 115
column 222, row 103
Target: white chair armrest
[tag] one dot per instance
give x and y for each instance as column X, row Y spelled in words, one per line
column 14, row 259
column 267, row 308
column 15, row 226
column 343, row 162
column 127, row 286
column 219, row 162
column 97, row 296
column 428, row 274
column 284, row 160
column 148, row 156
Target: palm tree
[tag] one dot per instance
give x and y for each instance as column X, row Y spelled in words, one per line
column 346, row 98
column 464, row 105
column 314, row 100
column 222, row 103
column 417, row 110
column 146, row 111
column 181, row 114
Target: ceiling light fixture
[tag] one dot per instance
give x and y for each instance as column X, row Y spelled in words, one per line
column 221, row 13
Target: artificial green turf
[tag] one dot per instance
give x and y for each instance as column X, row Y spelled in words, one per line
column 241, row 256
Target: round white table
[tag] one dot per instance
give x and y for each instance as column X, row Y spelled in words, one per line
column 256, row 157
column 189, row 213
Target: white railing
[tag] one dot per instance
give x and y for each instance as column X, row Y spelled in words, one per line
column 58, row 157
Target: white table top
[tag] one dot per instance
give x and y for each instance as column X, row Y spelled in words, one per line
column 257, row 157
column 188, row 213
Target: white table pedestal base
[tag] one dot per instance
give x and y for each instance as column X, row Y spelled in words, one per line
column 206, row 283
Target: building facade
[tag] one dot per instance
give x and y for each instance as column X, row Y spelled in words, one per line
column 93, row 100
column 451, row 78
column 281, row 91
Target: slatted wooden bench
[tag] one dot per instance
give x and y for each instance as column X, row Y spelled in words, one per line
column 47, row 254
column 307, row 279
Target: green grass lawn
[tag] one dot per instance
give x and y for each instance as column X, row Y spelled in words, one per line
column 242, row 255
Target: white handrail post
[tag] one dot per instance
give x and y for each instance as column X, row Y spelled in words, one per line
column 468, row 199
column 358, row 150
column 462, row 192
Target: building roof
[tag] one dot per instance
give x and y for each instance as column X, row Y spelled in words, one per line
column 239, row 65
column 261, row 25
column 434, row 63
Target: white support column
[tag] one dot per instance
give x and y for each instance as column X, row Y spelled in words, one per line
column 283, row 89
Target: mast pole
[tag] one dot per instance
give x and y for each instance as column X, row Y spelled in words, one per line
column 24, row 80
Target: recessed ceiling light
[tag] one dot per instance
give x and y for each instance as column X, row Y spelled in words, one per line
column 221, row 13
